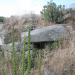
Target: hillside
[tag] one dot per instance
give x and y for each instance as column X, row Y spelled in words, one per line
column 37, row 44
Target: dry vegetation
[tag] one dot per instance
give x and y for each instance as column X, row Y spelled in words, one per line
column 56, row 61
column 59, row 61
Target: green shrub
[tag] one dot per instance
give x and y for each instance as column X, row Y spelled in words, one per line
column 53, row 45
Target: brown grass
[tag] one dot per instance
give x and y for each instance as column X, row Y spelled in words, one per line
column 63, row 61
column 60, row 61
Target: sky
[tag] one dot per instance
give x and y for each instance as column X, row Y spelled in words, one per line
column 20, row 7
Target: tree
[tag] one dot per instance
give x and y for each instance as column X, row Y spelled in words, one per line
column 53, row 13
column 2, row 19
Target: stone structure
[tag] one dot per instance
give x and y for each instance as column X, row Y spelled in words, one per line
column 41, row 36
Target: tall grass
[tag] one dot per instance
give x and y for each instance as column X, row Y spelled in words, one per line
column 29, row 56
column 23, row 58
column 39, row 62
column 14, row 57
column 14, row 61
column 3, row 63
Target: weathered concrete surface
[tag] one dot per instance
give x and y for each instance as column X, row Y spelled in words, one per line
column 46, row 34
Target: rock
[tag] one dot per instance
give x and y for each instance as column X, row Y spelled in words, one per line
column 46, row 34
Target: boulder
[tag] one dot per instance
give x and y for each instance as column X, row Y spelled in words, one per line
column 46, row 34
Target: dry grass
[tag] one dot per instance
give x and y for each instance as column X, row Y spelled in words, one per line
column 57, row 62
column 60, row 61
column 63, row 61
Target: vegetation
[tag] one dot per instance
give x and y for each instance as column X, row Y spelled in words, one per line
column 53, row 13
column 49, row 60
column 23, row 58
column 2, row 19
column 56, row 58
column 8, row 36
column 14, row 58
column 29, row 56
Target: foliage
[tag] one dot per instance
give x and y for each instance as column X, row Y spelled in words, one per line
column 2, row 62
column 53, row 13
column 2, row 19
column 8, row 36
column 34, row 55
column 29, row 56
column 53, row 45
column 14, row 58
column 39, row 58
column 23, row 58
